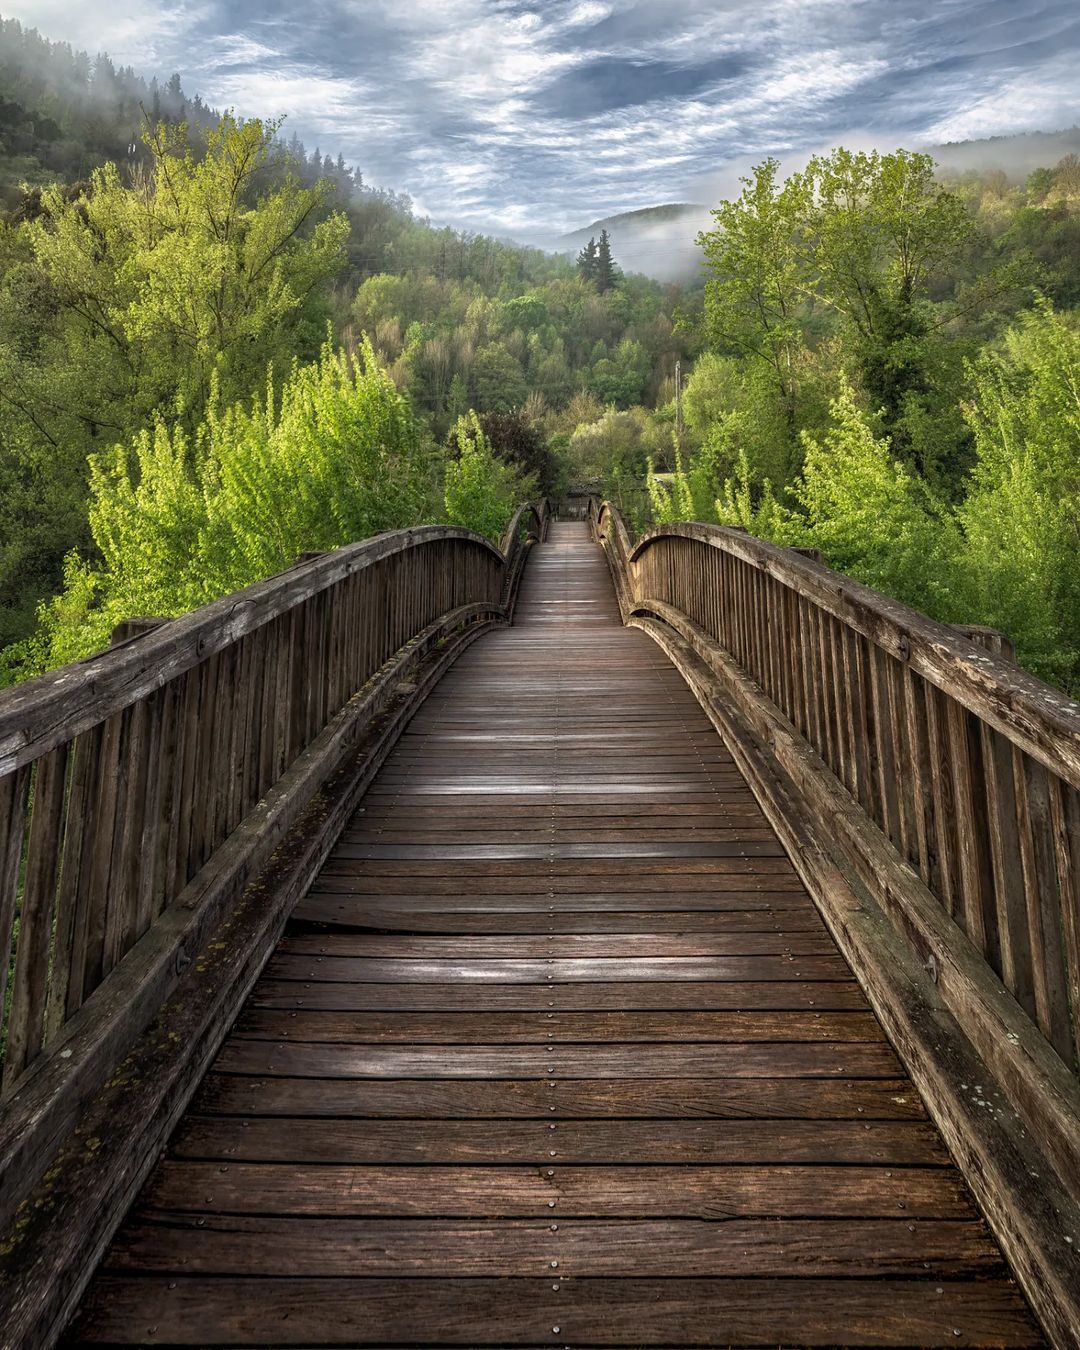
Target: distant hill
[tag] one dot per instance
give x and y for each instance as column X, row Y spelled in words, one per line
column 658, row 240
column 1015, row 155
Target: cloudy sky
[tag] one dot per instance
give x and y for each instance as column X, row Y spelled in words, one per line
column 542, row 116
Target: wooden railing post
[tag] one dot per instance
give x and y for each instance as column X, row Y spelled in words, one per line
column 992, row 639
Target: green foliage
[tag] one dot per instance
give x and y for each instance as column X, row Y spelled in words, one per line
column 752, row 506
column 620, row 378
column 858, row 396
column 1022, row 514
column 871, row 517
column 180, row 518
column 498, row 380
column 758, row 277
column 481, row 491
column 607, row 274
column 586, row 261
column 519, row 441
column 120, row 304
column 671, row 496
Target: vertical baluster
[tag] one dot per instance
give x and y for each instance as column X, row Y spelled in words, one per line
column 272, row 659
column 919, row 768
column 797, row 712
column 29, row 991
column 282, row 708
column 162, row 859
column 740, row 615
column 943, row 866
column 811, row 675
column 887, row 766
column 237, row 704
column 212, row 749
column 976, row 872
column 851, row 673
column 1065, row 817
column 14, row 796
column 845, row 741
column 1014, row 939
column 145, row 871
column 1043, row 900
column 826, row 688
column 126, row 859
column 252, row 740
column 296, row 706
column 778, row 627
column 187, row 763
column 716, row 627
column 903, row 755
column 73, row 894
column 109, row 794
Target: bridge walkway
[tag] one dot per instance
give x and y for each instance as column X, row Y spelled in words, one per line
column 557, row 1051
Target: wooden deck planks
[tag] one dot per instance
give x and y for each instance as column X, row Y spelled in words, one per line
column 557, row 1051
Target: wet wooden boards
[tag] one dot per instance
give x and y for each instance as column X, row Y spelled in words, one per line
column 557, row 1051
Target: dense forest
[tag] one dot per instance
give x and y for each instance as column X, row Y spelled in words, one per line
column 218, row 350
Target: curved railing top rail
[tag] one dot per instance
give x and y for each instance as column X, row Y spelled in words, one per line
column 1038, row 718
column 41, row 714
column 539, row 512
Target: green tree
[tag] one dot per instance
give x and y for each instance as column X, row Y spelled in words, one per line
column 497, row 380
column 181, row 518
column 480, row 491
column 871, row 517
column 620, row 379
column 188, row 272
column 606, row 273
column 877, row 229
column 758, row 280
column 1021, row 517
column 587, row 261
column 121, row 302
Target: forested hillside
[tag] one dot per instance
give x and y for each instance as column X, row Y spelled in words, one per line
column 892, row 375
column 218, row 349
column 196, row 314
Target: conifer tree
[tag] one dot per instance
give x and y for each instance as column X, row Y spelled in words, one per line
column 587, row 261
column 606, row 273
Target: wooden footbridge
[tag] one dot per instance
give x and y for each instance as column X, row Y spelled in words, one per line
column 693, row 961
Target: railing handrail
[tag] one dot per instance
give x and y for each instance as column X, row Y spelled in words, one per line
column 539, row 512
column 1041, row 720
column 52, row 708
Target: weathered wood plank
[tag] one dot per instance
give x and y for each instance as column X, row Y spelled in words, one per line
column 162, row 1241
column 506, row 1028
column 860, row 1099
column 579, row 1192
column 610, row 1060
column 308, row 989
column 291, row 1139
column 193, row 1311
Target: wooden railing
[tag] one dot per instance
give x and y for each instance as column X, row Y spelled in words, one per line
column 896, row 728
column 140, row 789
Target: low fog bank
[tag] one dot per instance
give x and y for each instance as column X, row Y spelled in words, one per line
column 659, row 241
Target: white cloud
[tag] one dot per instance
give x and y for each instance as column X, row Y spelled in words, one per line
column 455, row 100
column 1040, row 100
